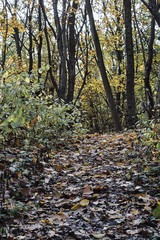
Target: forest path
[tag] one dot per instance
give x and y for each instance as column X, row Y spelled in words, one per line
column 99, row 187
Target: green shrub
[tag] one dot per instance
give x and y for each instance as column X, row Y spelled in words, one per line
column 31, row 118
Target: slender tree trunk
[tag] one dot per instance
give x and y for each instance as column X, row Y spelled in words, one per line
column 61, row 42
column 102, row 69
column 131, row 114
column 71, row 52
column 40, row 40
column 139, row 33
column 148, row 67
column 30, row 40
column 119, row 54
column 50, row 61
column 4, row 38
column 16, row 33
column 157, row 104
column 85, row 61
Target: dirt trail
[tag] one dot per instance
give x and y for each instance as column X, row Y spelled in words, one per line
column 97, row 187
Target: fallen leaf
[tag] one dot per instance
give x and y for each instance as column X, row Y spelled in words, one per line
column 97, row 176
column 87, row 191
column 133, row 232
column 156, row 212
column 75, row 207
column 84, row 202
column 98, row 235
column 63, row 215
column 2, row 166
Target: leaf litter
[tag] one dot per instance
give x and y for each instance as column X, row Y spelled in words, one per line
column 95, row 187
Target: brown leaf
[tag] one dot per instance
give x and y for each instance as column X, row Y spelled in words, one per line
column 34, row 121
column 87, row 191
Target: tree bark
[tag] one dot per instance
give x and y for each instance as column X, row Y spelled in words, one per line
column 131, row 114
column 50, row 61
column 61, row 42
column 71, row 52
column 148, row 67
column 40, row 40
column 30, row 39
column 4, row 38
column 102, row 69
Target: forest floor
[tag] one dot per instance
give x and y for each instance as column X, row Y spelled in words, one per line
column 95, row 187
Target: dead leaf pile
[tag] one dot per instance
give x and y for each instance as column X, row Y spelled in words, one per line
column 99, row 187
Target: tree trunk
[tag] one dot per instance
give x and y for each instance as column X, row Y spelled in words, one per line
column 30, row 40
column 16, row 34
column 4, row 37
column 40, row 40
column 148, row 67
column 71, row 52
column 130, row 115
column 61, row 42
column 50, row 61
column 102, row 69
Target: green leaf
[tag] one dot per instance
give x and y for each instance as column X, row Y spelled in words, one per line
column 156, row 212
column 158, row 146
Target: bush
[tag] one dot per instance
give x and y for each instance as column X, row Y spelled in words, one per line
column 29, row 118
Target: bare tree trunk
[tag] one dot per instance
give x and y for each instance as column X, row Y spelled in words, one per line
column 71, row 52
column 4, row 43
column 50, row 61
column 157, row 104
column 16, row 34
column 130, row 115
column 40, row 40
column 61, row 42
column 148, row 67
column 30, row 39
column 102, row 69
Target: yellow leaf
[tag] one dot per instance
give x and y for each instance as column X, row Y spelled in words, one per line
column 95, row 195
column 75, row 207
column 147, row 169
column 148, row 208
column 35, row 159
column 43, row 221
column 85, row 164
column 27, row 80
column 86, row 219
column 84, row 202
column 97, row 176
